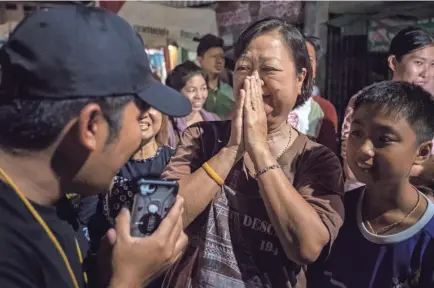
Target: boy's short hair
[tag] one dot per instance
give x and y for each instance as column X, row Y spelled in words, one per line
column 402, row 99
column 316, row 44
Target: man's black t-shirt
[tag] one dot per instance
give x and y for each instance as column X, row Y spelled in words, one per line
column 28, row 258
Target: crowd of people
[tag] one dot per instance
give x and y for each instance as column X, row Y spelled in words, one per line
column 264, row 200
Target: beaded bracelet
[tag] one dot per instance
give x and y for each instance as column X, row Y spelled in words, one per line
column 263, row 170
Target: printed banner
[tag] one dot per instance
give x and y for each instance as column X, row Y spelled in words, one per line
column 161, row 25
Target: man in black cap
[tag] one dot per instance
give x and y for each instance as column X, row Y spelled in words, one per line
column 210, row 55
column 76, row 82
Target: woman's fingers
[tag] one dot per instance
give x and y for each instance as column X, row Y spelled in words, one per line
column 239, row 105
column 258, row 93
column 253, row 101
column 259, row 99
column 248, row 99
column 254, row 89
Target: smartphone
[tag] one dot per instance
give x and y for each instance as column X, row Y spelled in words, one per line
column 152, row 202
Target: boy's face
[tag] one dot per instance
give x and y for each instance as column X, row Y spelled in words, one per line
column 382, row 147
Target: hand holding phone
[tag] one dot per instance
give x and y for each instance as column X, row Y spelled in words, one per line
column 136, row 261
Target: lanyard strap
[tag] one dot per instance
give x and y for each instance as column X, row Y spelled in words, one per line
column 44, row 225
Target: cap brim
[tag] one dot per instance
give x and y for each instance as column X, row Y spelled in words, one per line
column 165, row 99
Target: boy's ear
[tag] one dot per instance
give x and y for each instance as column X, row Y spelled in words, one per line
column 391, row 61
column 423, row 152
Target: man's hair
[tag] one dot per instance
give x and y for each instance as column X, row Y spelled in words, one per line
column 34, row 125
column 316, row 44
column 207, row 42
column 402, row 99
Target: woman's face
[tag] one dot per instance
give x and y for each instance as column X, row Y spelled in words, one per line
column 416, row 67
column 272, row 58
column 196, row 91
column 150, row 124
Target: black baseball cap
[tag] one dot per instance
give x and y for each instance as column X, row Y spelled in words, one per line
column 81, row 52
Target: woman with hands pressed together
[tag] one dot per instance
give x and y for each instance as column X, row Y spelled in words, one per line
column 261, row 200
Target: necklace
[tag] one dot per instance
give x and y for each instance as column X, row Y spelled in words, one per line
column 393, row 225
column 286, row 147
column 278, row 155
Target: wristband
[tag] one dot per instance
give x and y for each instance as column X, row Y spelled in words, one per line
column 211, row 173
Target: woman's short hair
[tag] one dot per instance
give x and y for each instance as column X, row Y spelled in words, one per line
column 296, row 44
column 408, row 40
column 179, row 76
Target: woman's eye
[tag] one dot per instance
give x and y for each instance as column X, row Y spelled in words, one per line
column 418, row 63
column 242, row 68
column 268, row 69
column 386, row 139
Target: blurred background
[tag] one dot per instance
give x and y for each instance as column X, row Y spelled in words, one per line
column 354, row 35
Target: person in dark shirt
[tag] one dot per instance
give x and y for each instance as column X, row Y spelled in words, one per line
column 75, row 84
column 148, row 162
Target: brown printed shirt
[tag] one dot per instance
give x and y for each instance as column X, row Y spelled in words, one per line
column 233, row 243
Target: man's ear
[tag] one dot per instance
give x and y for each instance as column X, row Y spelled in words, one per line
column 91, row 124
column 391, row 60
column 200, row 59
column 423, row 153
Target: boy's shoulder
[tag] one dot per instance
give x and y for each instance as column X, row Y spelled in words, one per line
column 352, row 202
column 429, row 226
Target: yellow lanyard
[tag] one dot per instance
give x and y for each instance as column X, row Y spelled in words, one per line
column 47, row 229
